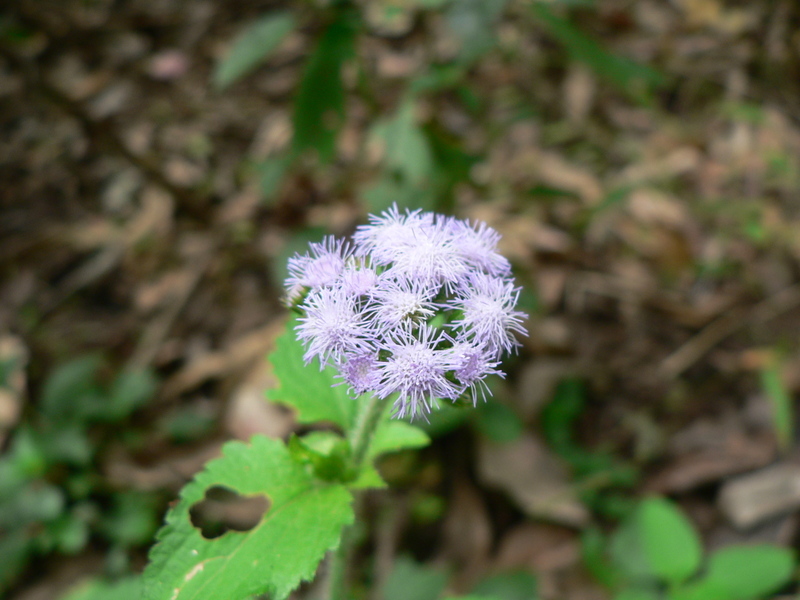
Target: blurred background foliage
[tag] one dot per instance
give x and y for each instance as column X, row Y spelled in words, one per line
column 161, row 159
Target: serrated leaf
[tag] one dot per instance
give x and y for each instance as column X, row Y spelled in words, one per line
column 307, row 389
column 304, row 520
column 251, row 47
column 319, row 106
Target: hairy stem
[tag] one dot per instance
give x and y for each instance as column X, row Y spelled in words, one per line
column 369, row 416
column 370, row 411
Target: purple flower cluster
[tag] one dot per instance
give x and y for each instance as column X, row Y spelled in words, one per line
column 420, row 305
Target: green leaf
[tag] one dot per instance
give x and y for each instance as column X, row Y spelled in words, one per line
column 71, row 392
column 473, row 22
column 393, row 436
column 131, row 389
column 271, row 173
column 638, row 594
column 306, row 388
column 744, row 573
column 781, row 400
column 513, row 585
column 320, row 103
column 15, row 548
column 593, row 544
column 326, row 452
column 129, row 588
column 304, row 520
column 251, row 47
column 389, row 190
column 409, row 579
column 408, row 152
column 36, row 502
column 657, row 542
column 498, row 422
column 132, row 520
column 627, row 75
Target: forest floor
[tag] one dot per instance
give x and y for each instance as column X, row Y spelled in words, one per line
column 655, row 229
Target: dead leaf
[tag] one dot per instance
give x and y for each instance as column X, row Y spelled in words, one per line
column 534, row 478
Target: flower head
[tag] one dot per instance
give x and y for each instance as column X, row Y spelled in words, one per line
column 477, row 246
column 417, row 371
column 488, row 316
column 397, row 302
column 471, row 366
column 421, row 309
column 332, row 326
column 322, row 267
column 361, row 372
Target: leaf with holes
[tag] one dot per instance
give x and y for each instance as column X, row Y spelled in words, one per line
column 313, row 393
column 304, row 520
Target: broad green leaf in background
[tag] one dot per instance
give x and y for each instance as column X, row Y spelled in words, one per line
column 407, row 151
column 304, row 520
column 132, row 519
column 308, row 390
column 389, row 190
column 513, row 585
column 743, row 573
column 593, row 546
column 781, row 401
column 472, row 21
column 131, row 389
column 627, row 75
column 129, row 588
column 71, row 392
column 271, row 173
column 251, row 47
column 657, row 542
column 319, row 108
column 15, row 548
column 638, row 594
column 498, row 422
column 409, row 579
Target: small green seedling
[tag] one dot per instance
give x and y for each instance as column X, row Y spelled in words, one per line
column 656, row 554
column 51, row 499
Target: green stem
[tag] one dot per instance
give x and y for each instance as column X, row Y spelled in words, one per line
column 369, row 415
column 367, row 421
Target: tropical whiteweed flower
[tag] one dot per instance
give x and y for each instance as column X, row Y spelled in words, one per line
column 420, row 307
column 417, row 370
column 486, row 304
column 322, row 267
column 332, row 326
column 402, row 302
